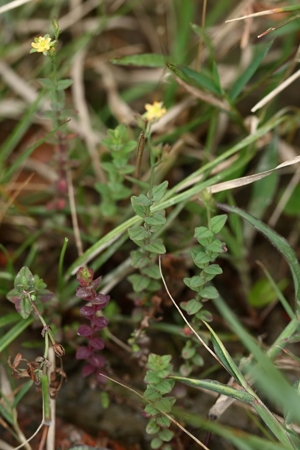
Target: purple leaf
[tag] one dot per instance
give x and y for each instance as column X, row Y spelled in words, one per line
column 84, row 330
column 83, row 353
column 96, row 283
column 84, row 292
column 100, row 300
column 88, row 370
column 87, row 311
column 99, row 322
column 97, row 343
column 97, row 360
column 85, row 276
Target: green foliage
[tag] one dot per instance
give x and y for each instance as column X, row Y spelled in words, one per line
column 143, row 236
column 203, row 257
column 116, row 168
column 29, row 290
column 159, row 369
column 262, row 292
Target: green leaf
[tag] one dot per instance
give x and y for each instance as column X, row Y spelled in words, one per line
column 141, row 200
column 215, row 386
column 164, row 404
column 203, row 235
column 139, row 283
column 279, row 242
column 213, row 269
column 188, row 352
column 155, row 219
column 193, row 306
column 46, row 83
column 159, row 191
column 64, row 84
column 151, row 377
column 262, row 292
column 151, row 271
column 139, row 259
column 200, row 258
column 151, row 394
column 165, row 386
column 249, row 72
column 23, row 306
column 156, row 246
column 217, row 223
column 156, row 443
column 166, row 435
column 149, row 409
column 138, row 233
column 209, row 292
column 24, row 280
column 152, row 427
column 194, row 282
column 163, row 421
column 216, row 246
column 147, row 59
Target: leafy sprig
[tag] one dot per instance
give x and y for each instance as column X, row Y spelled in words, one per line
column 117, row 169
column 203, row 256
column 159, row 368
column 88, row 292
column 146, row 282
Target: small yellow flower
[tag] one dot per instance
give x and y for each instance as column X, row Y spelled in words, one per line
column 155, row 111
column 42, row 44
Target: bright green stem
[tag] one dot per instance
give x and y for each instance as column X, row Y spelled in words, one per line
column 46, row 401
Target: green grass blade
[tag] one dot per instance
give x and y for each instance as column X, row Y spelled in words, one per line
column 240, row 439
column 23, row 391
column 14, row 332
column 267, row 376
column 249, row 72
column 146, row 59
column 225, row 357
column 195, row 78
column 279, row 242
column 222, row 389
column 8, row 319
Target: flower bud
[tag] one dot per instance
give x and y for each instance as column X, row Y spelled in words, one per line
column 58, row 349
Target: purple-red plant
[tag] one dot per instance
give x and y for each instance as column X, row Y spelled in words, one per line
column 88, row 292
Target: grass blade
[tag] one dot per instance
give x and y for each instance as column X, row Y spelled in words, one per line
column 215, row 386
column 249, row 72
column 147, row 59
column 14, row 332
column 278, row 241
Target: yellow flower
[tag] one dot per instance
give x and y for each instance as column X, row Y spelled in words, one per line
column 42, row 44
column 155, row 111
